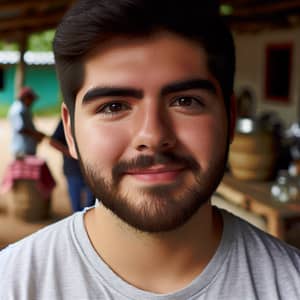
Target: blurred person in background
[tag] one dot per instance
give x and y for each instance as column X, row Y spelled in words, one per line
column 25, row 137
column 79, row 193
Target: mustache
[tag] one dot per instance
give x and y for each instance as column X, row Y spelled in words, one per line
column 147, row 161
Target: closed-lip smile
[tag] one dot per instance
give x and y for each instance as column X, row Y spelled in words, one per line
column 157, row 173
column 155, row 169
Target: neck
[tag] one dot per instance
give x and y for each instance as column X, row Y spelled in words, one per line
column 172, row 259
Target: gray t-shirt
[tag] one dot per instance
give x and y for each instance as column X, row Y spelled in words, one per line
column 59, row 262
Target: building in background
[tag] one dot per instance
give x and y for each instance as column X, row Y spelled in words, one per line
column 39, row 74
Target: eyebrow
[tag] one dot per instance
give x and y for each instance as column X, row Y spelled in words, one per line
column 191, row 84
column 104, row 91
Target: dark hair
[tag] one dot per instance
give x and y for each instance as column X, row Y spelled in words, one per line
column 92, row 22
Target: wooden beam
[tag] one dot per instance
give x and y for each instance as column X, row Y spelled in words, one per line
column 33, row 21
column 255, row 26
column 14, row 35
column 21, row 66
column 24, row 5
column 262, row 9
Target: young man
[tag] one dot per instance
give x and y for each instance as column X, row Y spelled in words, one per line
column 149, row 114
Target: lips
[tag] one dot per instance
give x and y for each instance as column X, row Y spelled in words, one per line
column 156, row 173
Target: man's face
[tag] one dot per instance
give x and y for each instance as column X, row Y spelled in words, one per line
column 151, row 130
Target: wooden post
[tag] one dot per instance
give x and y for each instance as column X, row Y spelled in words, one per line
column 20, row 70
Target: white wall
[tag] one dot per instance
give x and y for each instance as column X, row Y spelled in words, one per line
column 250, row 50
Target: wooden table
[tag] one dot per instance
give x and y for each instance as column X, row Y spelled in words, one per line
column 255, row 197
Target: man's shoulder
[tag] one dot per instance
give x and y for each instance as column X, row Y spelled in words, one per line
column 36, row 245
column 42, row 265
column 265, row 246
column 17, row 106
column 256, row 264
column 17, row 110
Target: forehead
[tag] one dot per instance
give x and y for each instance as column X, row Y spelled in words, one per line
column 146, row 63
column 166, row 46
column 122, row 42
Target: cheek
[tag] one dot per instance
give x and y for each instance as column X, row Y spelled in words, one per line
column 205, row 139
column 101, row 145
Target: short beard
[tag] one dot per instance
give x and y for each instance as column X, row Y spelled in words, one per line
column 156, row 209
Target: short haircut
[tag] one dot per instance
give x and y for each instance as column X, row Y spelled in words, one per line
column 91, row 22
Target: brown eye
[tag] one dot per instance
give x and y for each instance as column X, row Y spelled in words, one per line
column 113, row 107
column 186, row 101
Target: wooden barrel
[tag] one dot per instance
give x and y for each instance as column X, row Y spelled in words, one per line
column 253, row 156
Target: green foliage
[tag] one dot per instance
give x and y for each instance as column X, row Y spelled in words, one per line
column 41, row 41
column 3, row 110
column 45, row 112
column 8, row 46
column 36, row 42
column 226, row 10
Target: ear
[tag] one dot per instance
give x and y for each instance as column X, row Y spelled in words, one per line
column 66, row 118
column 232, row 117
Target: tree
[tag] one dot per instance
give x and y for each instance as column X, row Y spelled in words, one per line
column 36, row 42
column 41, row 41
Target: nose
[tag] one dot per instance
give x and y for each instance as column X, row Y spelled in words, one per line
column 155, row 132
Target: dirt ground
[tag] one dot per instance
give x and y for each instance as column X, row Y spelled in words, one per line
column 11, row 228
